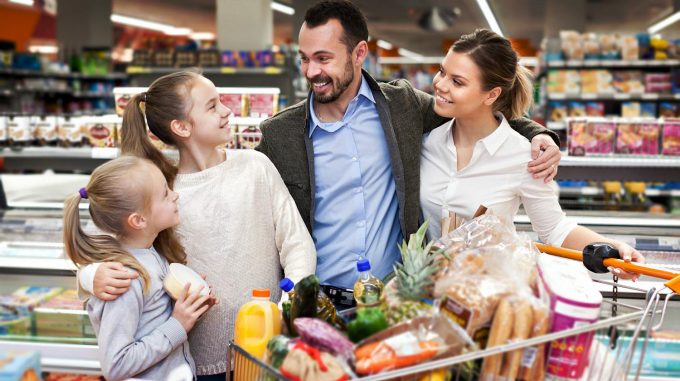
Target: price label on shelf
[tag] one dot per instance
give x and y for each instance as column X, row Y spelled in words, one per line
column 104, row 153
column 138, row 70
column 622, row 96
column 558, row 96
column 227, row 70
column 272, row 70
column 650, row 96
column 589, row 96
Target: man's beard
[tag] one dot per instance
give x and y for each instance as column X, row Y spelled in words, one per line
column 335, row 93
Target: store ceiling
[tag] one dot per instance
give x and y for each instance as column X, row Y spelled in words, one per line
column 397, row 20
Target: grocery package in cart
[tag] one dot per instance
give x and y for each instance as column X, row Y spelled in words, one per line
column 482, row 303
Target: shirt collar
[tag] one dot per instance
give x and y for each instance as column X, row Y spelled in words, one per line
column 364, row 91
column 494, row 141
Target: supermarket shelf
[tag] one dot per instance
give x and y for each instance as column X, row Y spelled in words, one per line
column 595, row 191
column 556, row 125
column 67, row 358
column 33, row 73
column 671, row 223
column 618, row 168
column 51, row 266
column 627, row 162
column 613, row 97
column 613, row 63
column 208, row 70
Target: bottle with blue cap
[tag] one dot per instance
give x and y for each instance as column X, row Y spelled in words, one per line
column 368, row 288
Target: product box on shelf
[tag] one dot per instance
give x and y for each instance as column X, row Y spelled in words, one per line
column 69, row 131
column 100, row 131
column 668, row 110
column 20, row 366
column 631, row 109
column 558, row 111
column 576, row 109
column 63, row 316
column 234, row 101
column 591, row 136
column 637, row 137
column 671, row 137
column 3, row 130
column 563, row 81
column 19, row 130
column 122, row 96
column 22, row 301
column 595, row 109
column 596, row 82
column 72, row 377
column 249, row 136
column 628, row 82
column 46, row 130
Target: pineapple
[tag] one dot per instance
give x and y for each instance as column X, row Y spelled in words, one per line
column 413, row 279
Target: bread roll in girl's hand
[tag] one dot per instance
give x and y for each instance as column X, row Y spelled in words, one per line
column 178, row 276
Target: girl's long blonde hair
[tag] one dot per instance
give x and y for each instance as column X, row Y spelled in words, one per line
column 115, row 191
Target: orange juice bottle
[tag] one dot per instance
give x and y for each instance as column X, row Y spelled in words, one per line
column 256, row 323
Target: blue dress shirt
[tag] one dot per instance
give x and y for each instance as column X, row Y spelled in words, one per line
column 356, row 201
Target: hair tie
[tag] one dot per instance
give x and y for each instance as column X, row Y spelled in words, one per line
column 83, row 192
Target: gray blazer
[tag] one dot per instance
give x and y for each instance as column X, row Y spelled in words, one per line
column 405, row 114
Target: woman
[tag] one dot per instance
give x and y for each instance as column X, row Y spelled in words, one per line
column 477, row 159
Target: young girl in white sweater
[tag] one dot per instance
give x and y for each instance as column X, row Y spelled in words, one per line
column 239, row 225
column 140, row 334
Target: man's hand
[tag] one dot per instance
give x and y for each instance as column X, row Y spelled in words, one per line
column 546, row 156
column 111, row 280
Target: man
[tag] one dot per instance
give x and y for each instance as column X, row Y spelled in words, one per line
column 350, row 153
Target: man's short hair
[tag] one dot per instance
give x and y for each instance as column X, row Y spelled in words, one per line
column 350, row 17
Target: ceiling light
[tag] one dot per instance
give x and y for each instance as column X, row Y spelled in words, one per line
column 410, row 54
column 43, row 49
column 282, row 8
column 384, row 44
column 664, row 23
column 488, row 15
column 202, row 36
column 151, row 25
column 23, row 2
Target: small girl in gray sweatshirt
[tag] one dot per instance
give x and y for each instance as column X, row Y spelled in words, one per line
column 140, row 334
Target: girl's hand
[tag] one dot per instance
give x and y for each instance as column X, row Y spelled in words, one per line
column 546, row 156
column 628, row 254
column 189, row 307
column 213, row 299
column 112, row 280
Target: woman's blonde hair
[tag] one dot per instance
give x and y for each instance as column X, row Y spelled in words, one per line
column 115, row 191
column 499, row 65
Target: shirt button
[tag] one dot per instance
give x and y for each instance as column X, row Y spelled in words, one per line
column 361, row 223
column 358, row 190
column 354, row 158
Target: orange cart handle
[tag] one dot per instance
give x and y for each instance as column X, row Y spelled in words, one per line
column 609, row 262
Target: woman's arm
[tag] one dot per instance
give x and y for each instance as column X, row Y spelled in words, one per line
column 106, row 280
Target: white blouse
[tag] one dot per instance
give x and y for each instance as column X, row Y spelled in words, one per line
column 495, row 177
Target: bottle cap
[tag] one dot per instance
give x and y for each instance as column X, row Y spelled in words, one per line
column 286, row 284
column 363, row 265
column 261, row 293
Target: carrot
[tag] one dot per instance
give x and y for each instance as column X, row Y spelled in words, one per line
column 377, row 357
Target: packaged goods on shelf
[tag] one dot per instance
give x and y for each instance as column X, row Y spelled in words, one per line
column 101, row 130
column 557, row 111
column 576, row 109
column 20, row 366
column 22, row 301
column 591, row 136
column 63, row 316
column 3, row 130
column 249, row 136
column 671, row 138
column 71, row 377
column 596, row 82
column 122, row 96
column 668, row 110
column 564, row 81
column 19, row 130
column 595, row 109
column 628, row 81
column 637, row 138
column 46, row 130
column 69, row 131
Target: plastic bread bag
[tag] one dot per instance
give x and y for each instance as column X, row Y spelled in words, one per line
column 476, row 280
column 483, row 231
column 424, row 338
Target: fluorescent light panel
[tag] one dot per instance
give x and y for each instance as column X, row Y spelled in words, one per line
column 488, row 15
column 384, row 44
column 43, row 49
column 410, row 54
column 202, row 36
column 282, row 8
column 23, row 2
column 664, row 23
column 151, row 25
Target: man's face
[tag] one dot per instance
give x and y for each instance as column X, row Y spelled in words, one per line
column 325, row 61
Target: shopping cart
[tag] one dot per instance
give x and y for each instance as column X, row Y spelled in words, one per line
column 619, row 339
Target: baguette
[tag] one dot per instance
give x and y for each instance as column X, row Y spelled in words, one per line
column 521, row 330
column 501, row 328
column 536, row 370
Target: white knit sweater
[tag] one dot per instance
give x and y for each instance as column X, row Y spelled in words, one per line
column 240, row 226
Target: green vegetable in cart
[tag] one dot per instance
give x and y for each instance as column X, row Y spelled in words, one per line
column 277, row 348
column 285, row 312
column 368, row 321
column 304, row 300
